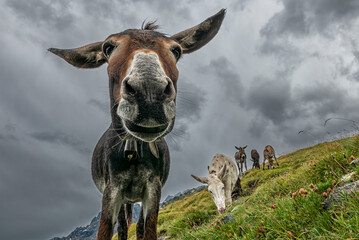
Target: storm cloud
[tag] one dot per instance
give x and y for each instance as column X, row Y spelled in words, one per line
column 275, row 69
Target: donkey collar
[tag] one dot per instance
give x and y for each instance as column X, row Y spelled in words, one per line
column 131, row 151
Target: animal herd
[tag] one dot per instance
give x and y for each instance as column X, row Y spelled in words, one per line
column 223, row 178
column 268, row 155
column 131, row 160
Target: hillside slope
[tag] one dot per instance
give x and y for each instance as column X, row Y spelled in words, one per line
column 273, row 205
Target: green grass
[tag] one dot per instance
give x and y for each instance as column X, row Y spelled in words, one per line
column 267, row 209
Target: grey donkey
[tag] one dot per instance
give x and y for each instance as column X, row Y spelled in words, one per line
column 223, row 180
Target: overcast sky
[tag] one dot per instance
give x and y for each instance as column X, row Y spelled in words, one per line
column 275, row 68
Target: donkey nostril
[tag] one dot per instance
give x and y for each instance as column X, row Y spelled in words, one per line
column 129, row 89
column 168, row 89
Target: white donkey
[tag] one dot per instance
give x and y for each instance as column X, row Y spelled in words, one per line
column 222, row 180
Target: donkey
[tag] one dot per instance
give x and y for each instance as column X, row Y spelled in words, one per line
column 223, row 179
column 131, row 160
column 241, row 157
column 269, row 154
column 255, row 158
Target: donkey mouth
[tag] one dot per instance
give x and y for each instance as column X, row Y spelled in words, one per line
column 140, row 129
column 147, row 134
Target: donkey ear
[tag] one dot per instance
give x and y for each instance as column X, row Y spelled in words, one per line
column 236, row 147
column 89, row 56
column 196, row 37
column 200, row 179
column 245, row 147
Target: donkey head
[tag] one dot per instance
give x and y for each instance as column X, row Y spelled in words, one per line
column 241, row 154
column 215, row 187
column 143, row 74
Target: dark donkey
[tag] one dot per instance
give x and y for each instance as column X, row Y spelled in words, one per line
column 131, row 161
column 241, row 157
column 255, row 158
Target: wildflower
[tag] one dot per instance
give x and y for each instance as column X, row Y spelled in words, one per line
column 274, row 206
column 351, row 158
column 303, row 192
column 325, row 194
column 290, row 234
column 294, row 195
column 218, row 227
column 260, row 230
column 329, row 190
column 230, row 235
column 262, row 223
column 334, row 182
column 315, row 189
column 240, row 227
column 249, row 226
column 311, row 185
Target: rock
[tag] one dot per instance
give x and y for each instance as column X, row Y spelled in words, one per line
column 348, row 177
column 163, row 237
column 228, row 218
column 339, row 194
column 354, row 162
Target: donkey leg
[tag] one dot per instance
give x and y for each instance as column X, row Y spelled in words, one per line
column 140, row 228
column 245, row 164
column 151, row 208
column 239, row 169
column 276, row 160
column 264, row 161
column 228, row 195
column 122, row 224
column 128, row 211
column 108, row 215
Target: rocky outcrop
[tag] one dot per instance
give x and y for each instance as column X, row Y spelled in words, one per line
column 340, row 194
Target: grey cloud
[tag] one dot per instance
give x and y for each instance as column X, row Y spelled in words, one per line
column 61, row 138
column 55, row 15
column 223, row 71
column 8, row 133
column 102, row 106
column 270, row 98
column 299, row 18
column 190, row 100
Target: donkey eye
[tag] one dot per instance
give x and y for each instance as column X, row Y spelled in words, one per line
column 107, row 49
column 176, row 52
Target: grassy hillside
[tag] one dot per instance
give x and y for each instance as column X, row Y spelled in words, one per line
column 267, row 209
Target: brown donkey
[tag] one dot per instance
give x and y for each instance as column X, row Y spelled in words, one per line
column 131, row 160
column 269, row 154
column 241, row 158
column 255, row 159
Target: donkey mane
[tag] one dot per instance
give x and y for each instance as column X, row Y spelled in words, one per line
column 151, row 25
